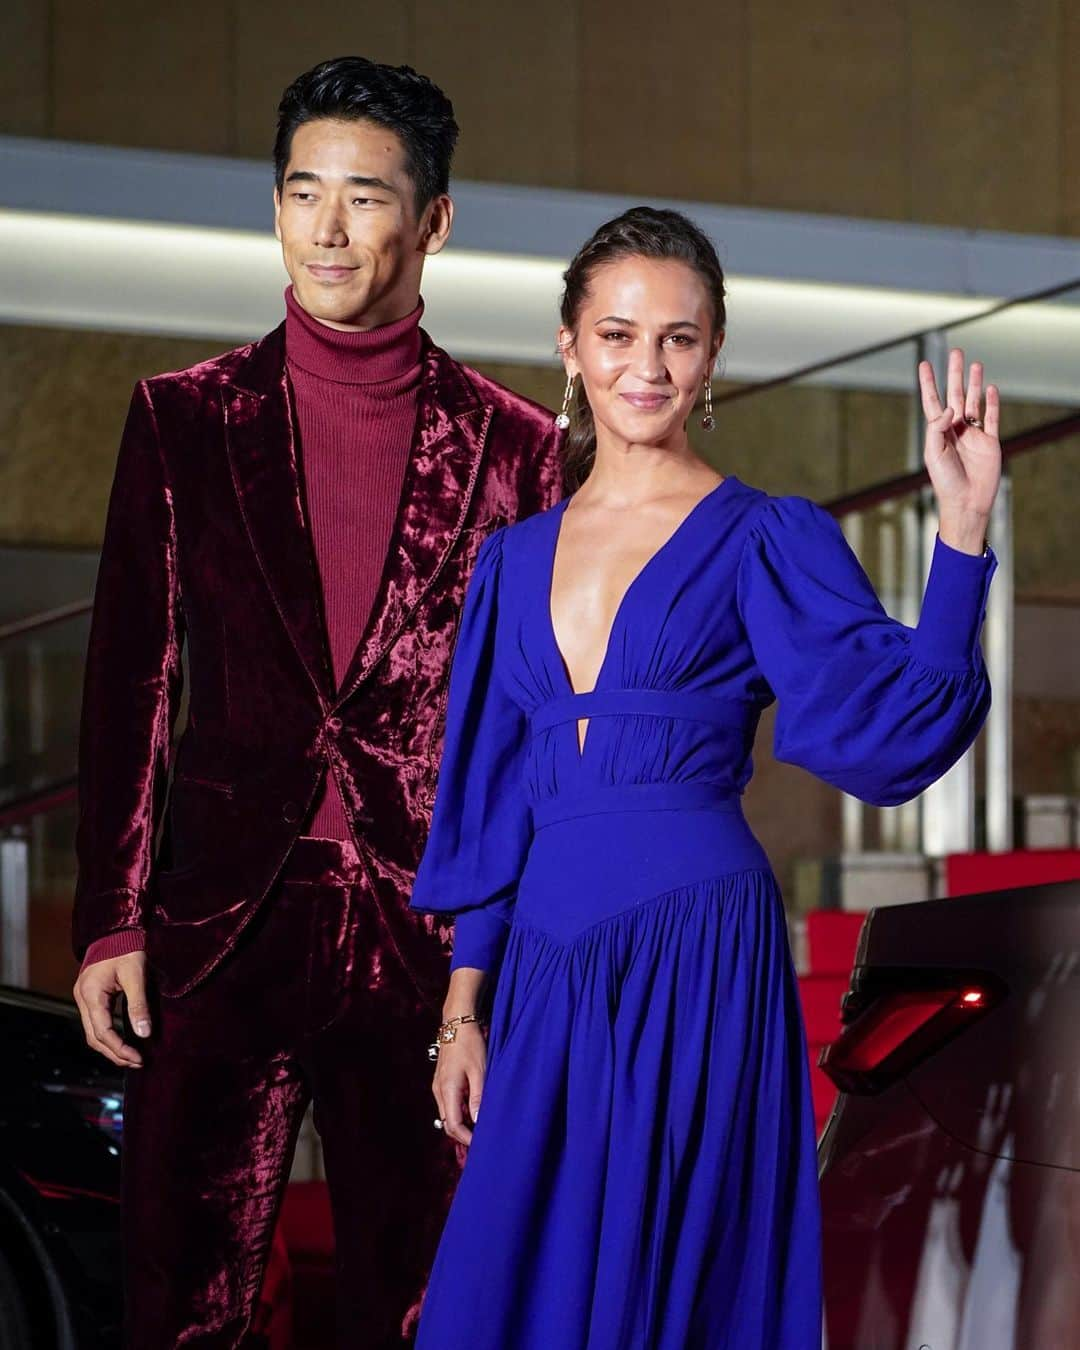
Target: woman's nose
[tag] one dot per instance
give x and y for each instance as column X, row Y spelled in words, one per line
column 648, row 363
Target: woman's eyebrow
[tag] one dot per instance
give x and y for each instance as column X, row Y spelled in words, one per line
column 677, row 323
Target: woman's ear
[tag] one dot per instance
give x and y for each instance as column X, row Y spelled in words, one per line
column 565, row 342
column 718, row 342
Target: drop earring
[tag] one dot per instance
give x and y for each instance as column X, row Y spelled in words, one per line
column 563, row 419
column 708, row 421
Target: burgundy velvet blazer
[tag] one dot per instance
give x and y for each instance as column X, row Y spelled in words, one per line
column 206, row 541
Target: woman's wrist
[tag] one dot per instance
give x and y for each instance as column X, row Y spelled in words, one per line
column 965, row 533
column 464, row 993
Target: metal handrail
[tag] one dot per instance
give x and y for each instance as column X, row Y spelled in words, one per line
column 874, row 348
column 43, row 618
column 888, row 489
column 36, row 803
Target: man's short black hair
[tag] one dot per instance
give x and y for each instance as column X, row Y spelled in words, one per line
column 351, row 88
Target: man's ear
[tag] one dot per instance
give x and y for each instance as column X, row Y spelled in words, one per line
column 436, row 230
column 277, row 214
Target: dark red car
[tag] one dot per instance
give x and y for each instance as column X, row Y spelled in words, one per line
column 950, row 1165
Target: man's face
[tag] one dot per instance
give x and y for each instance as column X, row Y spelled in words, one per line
column 346, row 217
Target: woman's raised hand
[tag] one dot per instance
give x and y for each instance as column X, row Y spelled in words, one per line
column 963, row 461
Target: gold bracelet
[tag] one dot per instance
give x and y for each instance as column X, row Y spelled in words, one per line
column 447, row 1032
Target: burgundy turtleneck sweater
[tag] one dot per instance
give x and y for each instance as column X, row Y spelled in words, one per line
column 355, row 396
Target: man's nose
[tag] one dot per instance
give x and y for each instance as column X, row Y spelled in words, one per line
column 330, row 231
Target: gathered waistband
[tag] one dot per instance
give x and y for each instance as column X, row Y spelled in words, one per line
column 691, row 705
column 636, row 797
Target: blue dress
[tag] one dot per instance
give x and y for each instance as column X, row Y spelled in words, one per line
column 642, row 1174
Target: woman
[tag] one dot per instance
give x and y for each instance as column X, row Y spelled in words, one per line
column 642, row 1175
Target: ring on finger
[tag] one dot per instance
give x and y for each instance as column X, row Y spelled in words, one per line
column 974, row 422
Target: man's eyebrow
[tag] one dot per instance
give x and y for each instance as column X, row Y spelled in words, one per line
column 354, row 179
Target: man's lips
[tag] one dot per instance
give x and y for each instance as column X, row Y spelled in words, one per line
column 330, row 271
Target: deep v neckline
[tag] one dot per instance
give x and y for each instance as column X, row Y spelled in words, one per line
column 650, row 563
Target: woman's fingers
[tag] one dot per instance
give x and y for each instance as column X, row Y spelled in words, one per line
column 973, row 400
column 931, row 399
column 955, row 380
column 993, row 411
column 454, row 1093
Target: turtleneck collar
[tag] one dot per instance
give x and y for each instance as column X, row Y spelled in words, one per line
column 388, row 355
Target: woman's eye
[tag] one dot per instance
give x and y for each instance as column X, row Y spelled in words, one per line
column 606, row 337
column 681, row 339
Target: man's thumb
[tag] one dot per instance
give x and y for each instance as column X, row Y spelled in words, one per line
column 134, row 986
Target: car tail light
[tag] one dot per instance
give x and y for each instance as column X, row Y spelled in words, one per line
column 894, row 1019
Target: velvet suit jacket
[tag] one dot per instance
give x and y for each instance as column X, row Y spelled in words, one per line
column 206, row 541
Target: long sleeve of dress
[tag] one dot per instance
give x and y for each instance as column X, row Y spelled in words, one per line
column 481, row 822
column 866, row 703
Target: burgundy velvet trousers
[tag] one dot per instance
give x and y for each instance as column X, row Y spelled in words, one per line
column 302, row 1009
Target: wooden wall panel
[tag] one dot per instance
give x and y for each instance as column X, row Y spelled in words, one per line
column 512, row 73
column 277, row 40
column 25, row 94
column 664, row 99
column 128, row 73
column 985, row 113
column 1069, row 86
column 828, row 107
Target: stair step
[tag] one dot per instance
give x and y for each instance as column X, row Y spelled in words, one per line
column 821, row 995
column 831, row 938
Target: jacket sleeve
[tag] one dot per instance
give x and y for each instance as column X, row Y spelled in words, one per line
column 131, row 688
column 866, row 703
column 481, row 819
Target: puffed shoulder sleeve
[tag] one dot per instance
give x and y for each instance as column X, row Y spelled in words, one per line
column 481, row 822
column 866, row 703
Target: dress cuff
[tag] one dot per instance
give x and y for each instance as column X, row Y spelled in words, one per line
column 953, row 607
column 121, row 943
column 479, row 939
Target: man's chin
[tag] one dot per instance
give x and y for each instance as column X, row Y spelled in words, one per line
column 333, row 305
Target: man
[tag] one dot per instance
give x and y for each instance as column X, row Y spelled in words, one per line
column 305, row 511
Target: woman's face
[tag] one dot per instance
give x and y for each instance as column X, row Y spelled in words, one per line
column 643, row 347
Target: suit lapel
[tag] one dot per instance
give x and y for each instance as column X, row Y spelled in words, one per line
column 440, row 478
column 261, row 448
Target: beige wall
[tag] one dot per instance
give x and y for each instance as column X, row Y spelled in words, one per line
column 965, row 113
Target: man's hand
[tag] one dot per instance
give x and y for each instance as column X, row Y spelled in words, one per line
column 95, row 992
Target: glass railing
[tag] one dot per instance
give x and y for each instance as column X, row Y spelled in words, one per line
column 41, row 666
column 853, row 432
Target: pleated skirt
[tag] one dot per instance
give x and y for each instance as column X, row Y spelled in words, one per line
column 642, row 1174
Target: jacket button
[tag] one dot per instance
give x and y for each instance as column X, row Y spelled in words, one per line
column 333, row 723
column 290, row 811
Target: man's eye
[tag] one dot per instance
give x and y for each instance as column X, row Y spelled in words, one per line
column 303, row 196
